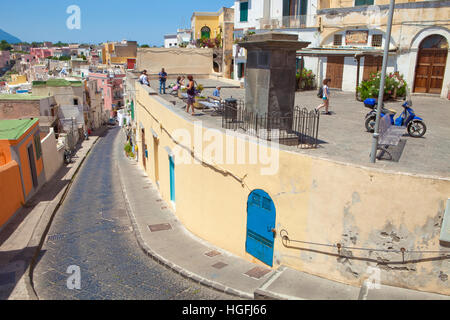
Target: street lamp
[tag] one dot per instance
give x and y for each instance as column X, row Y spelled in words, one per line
column 373, row 154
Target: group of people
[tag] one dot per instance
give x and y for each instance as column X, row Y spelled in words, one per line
column 143, row 79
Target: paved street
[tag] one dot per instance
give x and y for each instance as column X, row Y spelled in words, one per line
column 92, row 230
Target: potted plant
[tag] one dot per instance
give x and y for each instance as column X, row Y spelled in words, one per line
column 197, row 105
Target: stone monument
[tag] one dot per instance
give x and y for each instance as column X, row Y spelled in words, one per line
column 270, row 72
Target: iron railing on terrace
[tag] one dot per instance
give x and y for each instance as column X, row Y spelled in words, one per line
column 298, row 128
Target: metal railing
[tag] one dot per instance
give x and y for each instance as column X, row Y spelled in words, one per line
column 343, row 251
column 297, row 128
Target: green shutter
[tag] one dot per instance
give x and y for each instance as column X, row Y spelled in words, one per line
column 286, row 8
column 303, row 7
column 363, row 2
column 132, row 110
column 37, row 145
column 205, row 35
column 244, row 11
column 241, row 70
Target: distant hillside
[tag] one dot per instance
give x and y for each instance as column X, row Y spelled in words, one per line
column 9, row 38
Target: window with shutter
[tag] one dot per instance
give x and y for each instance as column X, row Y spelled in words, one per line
column 37, row 146
column 364, row 2
column 244, row 11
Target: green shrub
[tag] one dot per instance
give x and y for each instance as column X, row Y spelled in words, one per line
column 395, row 86
column 128, row 149
column 306, row 80
column 200, row 88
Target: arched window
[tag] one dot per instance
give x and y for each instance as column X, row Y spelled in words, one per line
column 435, row 41
column 206, row 32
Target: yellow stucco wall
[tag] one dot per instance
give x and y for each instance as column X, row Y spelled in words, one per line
column 407, row 23
column 316, row 200
column 17, row 79
column 198, row 22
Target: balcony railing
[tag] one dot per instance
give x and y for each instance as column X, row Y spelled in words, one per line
column 288, row 22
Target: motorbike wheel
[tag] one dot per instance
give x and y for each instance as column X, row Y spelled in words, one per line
column 417, row 129
column 370, row 124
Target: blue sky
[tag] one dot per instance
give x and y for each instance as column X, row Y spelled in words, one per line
column 145, row 21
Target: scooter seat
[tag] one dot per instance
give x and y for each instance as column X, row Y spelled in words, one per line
column 390, row 111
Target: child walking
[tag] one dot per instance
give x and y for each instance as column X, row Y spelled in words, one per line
column 325, row 97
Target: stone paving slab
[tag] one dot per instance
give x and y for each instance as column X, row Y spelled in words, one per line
column 394, row 293
column 289, row 284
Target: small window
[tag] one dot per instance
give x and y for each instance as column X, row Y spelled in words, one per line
column 364, row 2
column 75, row 101
column 243, row 12
column 337, row 41
column 377, row 40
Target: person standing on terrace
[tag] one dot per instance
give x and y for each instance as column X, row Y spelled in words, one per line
column 191, row 94
column 162, row 81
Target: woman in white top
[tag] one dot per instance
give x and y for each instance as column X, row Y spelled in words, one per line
column 325, row 97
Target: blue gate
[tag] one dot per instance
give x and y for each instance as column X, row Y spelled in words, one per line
column 261, row 216
column 172, row 179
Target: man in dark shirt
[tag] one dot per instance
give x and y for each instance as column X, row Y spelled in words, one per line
column 162, row 81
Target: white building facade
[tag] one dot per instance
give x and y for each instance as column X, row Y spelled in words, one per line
column 170, row 41
column 290, row 16
column 347, row 39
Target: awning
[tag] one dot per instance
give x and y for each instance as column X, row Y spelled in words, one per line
column 322, row 52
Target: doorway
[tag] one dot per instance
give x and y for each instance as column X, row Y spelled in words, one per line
column 261, row 216
column 144, row 149
column 372, row 64
column 335, row 71
column 156, row 159
column 431, row 63
column 172, row 178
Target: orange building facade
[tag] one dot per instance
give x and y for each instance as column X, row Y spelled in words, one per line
column 21, row 165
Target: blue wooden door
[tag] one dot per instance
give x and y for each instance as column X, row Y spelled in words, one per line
column 261, row 216
column 172, row 179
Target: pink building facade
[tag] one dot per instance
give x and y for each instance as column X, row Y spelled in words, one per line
column 41, row 53
column 111, row 86
column 5, row 56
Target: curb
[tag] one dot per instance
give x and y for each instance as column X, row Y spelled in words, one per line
column 168, row 264
column 41, row 230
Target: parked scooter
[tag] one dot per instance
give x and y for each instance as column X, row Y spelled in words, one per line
column 415, row 126
column 67, row 156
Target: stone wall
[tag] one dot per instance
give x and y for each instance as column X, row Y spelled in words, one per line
column 53, row 157
column 175, row 60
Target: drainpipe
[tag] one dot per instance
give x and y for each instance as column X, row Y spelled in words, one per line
column 358, row 59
